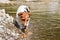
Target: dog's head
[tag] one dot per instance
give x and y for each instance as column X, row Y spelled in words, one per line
column 23, row 15
column 24, row 18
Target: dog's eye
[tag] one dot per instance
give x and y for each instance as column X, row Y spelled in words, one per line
column 27, row 20
column 19, row 14
column 21, row 17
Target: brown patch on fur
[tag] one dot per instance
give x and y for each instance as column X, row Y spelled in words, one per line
column 24, row 17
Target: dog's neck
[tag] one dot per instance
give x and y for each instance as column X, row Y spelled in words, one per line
column 18, row 24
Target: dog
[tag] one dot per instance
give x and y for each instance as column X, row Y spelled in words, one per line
column 23, row 18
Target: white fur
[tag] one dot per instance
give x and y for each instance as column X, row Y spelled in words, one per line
column 22, row 8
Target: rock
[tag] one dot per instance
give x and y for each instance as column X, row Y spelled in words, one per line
column 1, row 28
column 11, row 38
column 7, row 28
column 2, row 38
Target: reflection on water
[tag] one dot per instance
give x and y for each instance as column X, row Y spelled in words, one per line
column 53, row 6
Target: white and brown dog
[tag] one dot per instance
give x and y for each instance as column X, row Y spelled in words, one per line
column 23, row 17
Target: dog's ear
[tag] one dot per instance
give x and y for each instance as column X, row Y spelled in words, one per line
column 28, row 9
column 19, row 14
column 29, row 14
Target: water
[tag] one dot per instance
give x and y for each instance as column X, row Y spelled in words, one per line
column 44, row 24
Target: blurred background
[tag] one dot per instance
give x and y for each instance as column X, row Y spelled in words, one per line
column 45, row 18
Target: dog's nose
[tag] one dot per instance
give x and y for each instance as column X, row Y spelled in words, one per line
column 24, row 27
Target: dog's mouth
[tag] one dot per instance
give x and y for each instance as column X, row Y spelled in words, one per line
column 23, row 28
